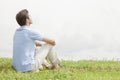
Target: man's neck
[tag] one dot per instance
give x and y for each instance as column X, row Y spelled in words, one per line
column 28, row 25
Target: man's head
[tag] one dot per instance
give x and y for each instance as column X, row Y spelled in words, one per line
column 23, row 18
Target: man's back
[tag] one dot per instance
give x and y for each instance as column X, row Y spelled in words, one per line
column 23, row 49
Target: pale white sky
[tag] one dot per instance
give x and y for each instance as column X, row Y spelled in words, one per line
column 83, row 29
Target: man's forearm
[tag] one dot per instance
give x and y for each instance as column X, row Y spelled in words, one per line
column 49, row 41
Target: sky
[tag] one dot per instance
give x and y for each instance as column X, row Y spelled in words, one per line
column 83, row 29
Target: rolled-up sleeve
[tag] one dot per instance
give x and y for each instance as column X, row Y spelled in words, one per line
column 35, row 35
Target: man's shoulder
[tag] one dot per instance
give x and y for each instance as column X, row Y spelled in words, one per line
column 33, row 31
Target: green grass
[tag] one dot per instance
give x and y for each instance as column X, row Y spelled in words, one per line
column 71, row 70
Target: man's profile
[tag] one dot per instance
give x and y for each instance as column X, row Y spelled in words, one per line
column 28, row 53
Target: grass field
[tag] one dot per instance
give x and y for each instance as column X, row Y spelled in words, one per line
column 71, row 70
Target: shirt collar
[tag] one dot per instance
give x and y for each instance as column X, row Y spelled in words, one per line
column 23, row 28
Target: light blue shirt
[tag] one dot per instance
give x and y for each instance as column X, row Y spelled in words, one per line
column 24, row 48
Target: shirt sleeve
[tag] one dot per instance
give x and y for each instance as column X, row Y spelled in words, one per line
column 35, row 35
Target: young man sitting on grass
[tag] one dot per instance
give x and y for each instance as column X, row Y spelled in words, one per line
column 28, row 53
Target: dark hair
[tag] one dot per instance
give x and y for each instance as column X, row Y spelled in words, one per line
column 22, row 16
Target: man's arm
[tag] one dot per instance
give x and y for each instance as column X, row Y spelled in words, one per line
column 49, row 41
column 37, row 36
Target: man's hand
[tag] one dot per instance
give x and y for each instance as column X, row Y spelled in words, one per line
column 37, row 43
column 49, row 41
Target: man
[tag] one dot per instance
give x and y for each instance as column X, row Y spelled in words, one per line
column 28, row 53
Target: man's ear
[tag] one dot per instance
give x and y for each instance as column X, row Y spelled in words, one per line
column 27, row 20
